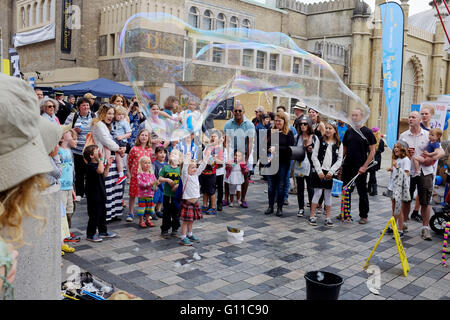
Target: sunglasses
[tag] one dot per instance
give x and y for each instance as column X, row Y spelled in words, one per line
column 50, row 106
column 238, row 111
column 303, row 124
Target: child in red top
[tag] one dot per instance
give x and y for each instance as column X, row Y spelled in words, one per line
column 142, row 147
column 147, row 184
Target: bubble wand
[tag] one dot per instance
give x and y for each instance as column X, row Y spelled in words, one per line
column 345, row 201
column 444, row 249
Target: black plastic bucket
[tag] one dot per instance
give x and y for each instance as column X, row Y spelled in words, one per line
column 321, row 285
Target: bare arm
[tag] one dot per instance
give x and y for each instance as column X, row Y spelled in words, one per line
column 363, row 169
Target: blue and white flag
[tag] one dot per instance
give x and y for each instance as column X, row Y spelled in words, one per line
column 392, row 21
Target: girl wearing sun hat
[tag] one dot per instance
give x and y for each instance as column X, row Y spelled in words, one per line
column 24, row 158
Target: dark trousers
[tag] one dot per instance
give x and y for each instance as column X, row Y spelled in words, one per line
column 301, row 181
column 348, row 173
column 277, row 184
column 372, row 178
column 219, row 187
column 97, row 216
column 171, row 215
column 80, row 174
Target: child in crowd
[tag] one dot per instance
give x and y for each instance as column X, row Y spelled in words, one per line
column 147, row 185
column 208, row 176
column 400, row 163
column 190, row 209
column 326, row 159
column 425, row 158
column 121, row 132
column 170, row 176
column 187, row 145
column 220, row 173
column 68, row 141
column 158, row 164
column 96, row 171
column 54, row 179
column 142, row 147
column 235, row 171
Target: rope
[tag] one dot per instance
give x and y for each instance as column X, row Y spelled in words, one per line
column 442, row 22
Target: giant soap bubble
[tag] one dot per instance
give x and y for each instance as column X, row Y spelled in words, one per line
column 210, row 66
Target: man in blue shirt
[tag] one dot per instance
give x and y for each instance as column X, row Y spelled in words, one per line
column 342, row 128
column 240, row 132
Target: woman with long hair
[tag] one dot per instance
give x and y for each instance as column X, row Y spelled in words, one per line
column 307, row 140
column 318, row 125
column 326, row 159
column 101, row 132
column 277, row 181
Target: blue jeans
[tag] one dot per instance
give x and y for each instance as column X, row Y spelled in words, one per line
column 288, row 182
column 277, row 185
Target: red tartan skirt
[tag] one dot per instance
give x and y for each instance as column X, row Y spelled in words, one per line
column 190, row 211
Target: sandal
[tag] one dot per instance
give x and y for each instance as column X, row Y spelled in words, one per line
column 149, row 223
column 142, row 224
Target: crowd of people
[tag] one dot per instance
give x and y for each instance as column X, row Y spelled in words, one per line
column 128, row 150
column 95, row 150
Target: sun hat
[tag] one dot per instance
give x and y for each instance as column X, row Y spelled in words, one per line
column 23, row 153
column 300, row 105
column 403, row 143
column 90, row 96
column 260, row 108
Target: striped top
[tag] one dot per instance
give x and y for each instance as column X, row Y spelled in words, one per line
column 84, row 123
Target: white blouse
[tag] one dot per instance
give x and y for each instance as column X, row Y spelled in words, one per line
column 327, row 161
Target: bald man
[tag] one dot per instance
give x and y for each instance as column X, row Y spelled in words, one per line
column 417, row 139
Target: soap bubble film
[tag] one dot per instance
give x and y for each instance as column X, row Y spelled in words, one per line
column 211, row 66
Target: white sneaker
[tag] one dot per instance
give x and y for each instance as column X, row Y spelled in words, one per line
column 78, row 198
column 301, row 213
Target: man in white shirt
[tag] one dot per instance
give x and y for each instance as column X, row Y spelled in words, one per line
column 417, row 139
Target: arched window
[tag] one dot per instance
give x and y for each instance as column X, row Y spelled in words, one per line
column 29, row 15
column 22, row 17
column 43, row 10
column 246, row 26
column 207, row 21
column 410, row 89
column 193, row 17
column 38, row 12
column 234, row 22
column 220, row 22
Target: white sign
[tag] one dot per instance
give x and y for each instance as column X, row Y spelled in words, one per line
column 37, row 35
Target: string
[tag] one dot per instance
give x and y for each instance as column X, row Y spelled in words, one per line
column 440, row 18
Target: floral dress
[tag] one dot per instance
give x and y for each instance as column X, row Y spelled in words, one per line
column 135, row 154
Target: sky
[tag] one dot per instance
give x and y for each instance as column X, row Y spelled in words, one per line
column 415, row 6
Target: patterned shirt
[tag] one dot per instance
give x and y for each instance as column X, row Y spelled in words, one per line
column 84, row 123
column 66, row 179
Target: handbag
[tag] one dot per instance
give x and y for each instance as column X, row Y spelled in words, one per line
column 302, row 168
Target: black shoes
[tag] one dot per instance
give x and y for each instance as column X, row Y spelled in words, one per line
column 279, row 212
column 416, row 216
column 269, row 210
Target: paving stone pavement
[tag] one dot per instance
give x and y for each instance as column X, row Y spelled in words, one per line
column 271, row 262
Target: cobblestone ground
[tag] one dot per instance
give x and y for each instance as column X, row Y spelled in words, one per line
column 270, row 264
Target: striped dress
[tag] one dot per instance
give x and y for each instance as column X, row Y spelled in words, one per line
column 114, row 194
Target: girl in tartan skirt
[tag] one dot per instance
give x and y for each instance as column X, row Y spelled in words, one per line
column 190, row 209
